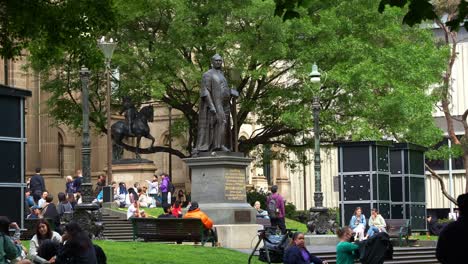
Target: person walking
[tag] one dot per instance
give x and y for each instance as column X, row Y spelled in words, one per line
column 276, row 210
column 37, row 185
column 451, row 245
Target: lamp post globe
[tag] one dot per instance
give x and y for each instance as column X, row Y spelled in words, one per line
column 107, row 48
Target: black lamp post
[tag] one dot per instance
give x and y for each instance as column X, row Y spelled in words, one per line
column 318, row 195
column 319, row 220
column 87, row 214
column 107, row 48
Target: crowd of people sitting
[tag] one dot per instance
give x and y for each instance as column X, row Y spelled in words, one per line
column 48, row 246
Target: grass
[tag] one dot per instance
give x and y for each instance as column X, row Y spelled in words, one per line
column 293, row 224
column 154, row 212
column 148, row 252
column 424, row 237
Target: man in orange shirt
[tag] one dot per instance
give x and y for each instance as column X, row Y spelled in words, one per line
column 195, row 212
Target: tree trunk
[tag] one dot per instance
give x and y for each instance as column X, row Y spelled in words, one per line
column 442, row 184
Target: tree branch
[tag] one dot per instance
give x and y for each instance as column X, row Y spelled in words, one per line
column 442, row 184
column 154, row 149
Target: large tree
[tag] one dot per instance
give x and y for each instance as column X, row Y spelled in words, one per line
column 379, row 71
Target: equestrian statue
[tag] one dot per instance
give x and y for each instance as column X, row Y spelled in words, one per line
column 135, row 124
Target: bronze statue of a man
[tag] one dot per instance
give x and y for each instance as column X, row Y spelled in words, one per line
column 214, row 117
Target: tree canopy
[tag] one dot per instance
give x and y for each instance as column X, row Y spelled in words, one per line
column 378, row 81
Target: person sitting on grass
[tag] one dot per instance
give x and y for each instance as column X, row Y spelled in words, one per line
column 167, row 212
column 297, row 253
column 35, row 213
column 195, row 212
column 376, row 223
column 43, row 233
column 345, row 250
column 133, row 210
column 177, row 210
column 77, row 246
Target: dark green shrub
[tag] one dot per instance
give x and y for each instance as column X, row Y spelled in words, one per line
column 290, row 210
column 255, row 195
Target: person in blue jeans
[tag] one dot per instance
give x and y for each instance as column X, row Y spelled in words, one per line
column 376, row 223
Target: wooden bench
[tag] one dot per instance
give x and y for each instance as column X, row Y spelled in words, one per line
column 398, row 228
column 172, row 230
column 30, row 226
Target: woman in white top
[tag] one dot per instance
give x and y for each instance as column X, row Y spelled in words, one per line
column 43, row 233
column 153, row 190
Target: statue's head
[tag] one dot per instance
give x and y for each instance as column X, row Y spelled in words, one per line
column 217, row 61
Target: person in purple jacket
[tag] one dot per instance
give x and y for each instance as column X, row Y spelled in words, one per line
column 164, row 188
column 275, row 208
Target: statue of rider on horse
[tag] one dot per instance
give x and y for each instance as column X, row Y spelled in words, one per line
column 135, row 124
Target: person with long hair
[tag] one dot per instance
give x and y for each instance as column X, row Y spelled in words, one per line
column 358, row 223
column 297, row 253
column 43, row 233
column 345, row 250
column 77, row 247
column 376, row 223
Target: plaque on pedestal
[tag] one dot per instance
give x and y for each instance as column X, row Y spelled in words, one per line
column 218, row 185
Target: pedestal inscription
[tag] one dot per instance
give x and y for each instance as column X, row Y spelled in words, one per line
column 235, row 185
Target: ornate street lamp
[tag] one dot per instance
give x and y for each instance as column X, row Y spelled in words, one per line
column 318, row 195
column 87, row 213
column 108, row 47
column 320, row 220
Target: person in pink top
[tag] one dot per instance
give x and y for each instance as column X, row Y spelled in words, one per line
column 275, row 208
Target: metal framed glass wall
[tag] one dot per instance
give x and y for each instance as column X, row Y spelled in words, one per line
column 408, row 184
column 12, row 152
column 364, row 172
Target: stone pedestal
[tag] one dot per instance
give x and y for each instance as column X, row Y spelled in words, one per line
column 133, row 170
column 218, row 185
column 237, row 236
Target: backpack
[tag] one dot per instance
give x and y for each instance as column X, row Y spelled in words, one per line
column 171, row 188
column 272, row 208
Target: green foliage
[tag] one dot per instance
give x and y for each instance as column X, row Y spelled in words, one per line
column 257, row 195
column 335, row 211
column 378, row 71
column 290, row 210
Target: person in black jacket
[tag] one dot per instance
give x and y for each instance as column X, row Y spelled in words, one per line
column 37, row 185
column 77, row 247
column 451, row 246
column 297, row 253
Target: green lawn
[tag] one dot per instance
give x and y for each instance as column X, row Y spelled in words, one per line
column 424, row 237
column 148, row 252
column 293, row 224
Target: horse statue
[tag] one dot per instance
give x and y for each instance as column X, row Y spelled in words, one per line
column 139, row 128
